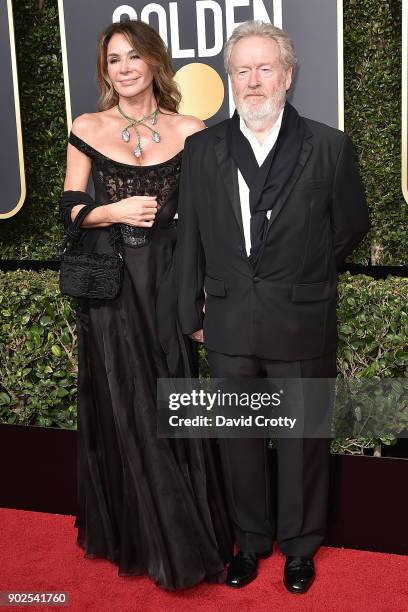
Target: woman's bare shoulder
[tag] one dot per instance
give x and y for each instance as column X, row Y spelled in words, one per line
column 85, row 124
column 187, row 125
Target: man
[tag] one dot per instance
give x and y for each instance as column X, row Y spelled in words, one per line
column 270, row 204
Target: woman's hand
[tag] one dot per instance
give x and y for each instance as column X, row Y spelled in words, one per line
column 198, row 336
column 139, row 211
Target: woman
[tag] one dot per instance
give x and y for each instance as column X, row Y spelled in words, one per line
column 148, row 504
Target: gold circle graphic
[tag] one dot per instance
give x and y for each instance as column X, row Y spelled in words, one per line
column 201, row 88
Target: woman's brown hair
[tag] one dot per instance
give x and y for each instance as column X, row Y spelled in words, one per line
column 151, row 48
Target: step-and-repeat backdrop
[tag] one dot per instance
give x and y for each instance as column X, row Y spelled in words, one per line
column 404, row 105
column 12, row 178
column 195, row 31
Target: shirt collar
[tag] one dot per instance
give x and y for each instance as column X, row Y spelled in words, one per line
column 251, row 136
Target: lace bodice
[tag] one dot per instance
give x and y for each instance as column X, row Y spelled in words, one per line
column 115, row 181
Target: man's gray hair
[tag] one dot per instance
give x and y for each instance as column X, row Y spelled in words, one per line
column 264, row 30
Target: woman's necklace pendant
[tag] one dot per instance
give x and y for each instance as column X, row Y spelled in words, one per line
column 125, row 135
column 135, row 123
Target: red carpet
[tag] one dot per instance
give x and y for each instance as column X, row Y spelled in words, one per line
column 38, row 553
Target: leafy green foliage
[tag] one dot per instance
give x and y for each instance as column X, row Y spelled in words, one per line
column 372, row 70
column 373, row 343
column 36, row 232
column 373, row 327
column 38, row 346
column 372, row 37
column 38, row 360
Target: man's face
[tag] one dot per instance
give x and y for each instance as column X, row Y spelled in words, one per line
column 259, row 81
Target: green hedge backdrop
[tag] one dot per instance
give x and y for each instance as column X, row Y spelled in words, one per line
column 372, row 42
column 39, row 366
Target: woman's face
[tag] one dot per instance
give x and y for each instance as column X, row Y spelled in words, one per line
column 129, row 73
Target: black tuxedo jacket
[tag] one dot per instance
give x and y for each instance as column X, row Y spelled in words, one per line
column 285, row 307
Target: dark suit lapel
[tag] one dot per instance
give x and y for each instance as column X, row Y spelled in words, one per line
column 305, row 152
column 229, row 173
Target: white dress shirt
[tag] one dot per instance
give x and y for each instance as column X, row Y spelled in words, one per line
column 261, row 152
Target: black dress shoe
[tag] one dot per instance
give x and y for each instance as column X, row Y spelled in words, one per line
column 299, row 574
column 242, row 569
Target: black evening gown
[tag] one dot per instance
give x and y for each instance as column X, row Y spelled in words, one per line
column 151, row 505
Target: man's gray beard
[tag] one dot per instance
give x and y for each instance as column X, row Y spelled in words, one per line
column 270, row 108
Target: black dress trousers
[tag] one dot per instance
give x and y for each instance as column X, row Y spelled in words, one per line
column 294, row 511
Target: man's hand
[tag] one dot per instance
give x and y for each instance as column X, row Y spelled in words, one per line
column 198, row 336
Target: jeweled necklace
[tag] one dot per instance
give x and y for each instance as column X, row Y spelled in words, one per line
column 134, row 123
